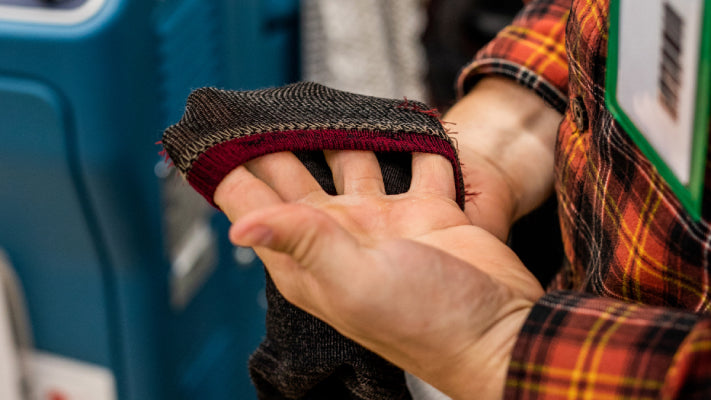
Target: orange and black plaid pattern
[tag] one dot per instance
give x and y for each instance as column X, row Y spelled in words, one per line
column 634, row 322
column 530, row 50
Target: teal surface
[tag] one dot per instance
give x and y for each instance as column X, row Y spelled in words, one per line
column 81, row 109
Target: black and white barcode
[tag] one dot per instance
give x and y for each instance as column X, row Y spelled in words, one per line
column 670, row 70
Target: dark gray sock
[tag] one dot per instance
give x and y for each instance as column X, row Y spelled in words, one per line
column 301, row 357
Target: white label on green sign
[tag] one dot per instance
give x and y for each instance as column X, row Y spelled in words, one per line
column 658, row 55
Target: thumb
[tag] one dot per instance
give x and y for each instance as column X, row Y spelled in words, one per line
column 309, row 236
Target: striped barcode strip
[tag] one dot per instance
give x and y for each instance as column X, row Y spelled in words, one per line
column 670, row 68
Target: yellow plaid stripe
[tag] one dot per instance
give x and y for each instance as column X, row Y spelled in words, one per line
column 592, row 328
column 587, row 349
column 536, row 43
column 597, row 12
column 704, row 345
column 553, row 392
column 576, row 150
column 600, row 346
column 639, row 240
column 549, row 41
column 565, row 374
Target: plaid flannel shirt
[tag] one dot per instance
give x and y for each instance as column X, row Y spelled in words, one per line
column 628, row 315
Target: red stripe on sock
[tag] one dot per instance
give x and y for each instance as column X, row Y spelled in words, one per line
column 213, row 165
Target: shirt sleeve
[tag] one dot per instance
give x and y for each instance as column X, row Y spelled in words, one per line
column 577, row 346
column 531, row 50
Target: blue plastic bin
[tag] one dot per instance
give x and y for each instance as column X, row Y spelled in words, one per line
column 93, row 222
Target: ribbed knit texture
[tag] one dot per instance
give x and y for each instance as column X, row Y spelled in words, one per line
column 302, row 357
column 223, row 129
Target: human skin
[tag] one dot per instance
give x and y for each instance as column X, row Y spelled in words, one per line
column 430, row 287
column 506, row 137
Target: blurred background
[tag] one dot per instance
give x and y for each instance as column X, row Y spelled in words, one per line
column 116, row 280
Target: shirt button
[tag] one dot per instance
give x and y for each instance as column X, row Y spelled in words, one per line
column 579, row 113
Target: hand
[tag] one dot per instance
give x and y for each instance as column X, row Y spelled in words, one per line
column 506, row 138
column 407, row 276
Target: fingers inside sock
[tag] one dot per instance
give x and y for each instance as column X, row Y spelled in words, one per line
column 286, row 175
column 355, row 171
column 240, row 192
column 432, row 173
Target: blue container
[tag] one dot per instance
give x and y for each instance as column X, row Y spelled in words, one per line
column 121, row 266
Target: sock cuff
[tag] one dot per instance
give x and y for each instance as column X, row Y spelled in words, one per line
column 222, row 129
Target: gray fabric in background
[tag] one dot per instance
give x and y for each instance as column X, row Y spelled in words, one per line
column 371, row 47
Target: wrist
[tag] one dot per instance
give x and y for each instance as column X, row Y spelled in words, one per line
column 488, row 360
column 513, row 130
column 491, row 202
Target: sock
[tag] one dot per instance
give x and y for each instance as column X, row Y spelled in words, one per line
column 301, row 357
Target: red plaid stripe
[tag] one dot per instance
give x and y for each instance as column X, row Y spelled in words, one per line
column 625, row 233
column 575, row 346
column 688, row 378
column 530, row 51
column 627, row 238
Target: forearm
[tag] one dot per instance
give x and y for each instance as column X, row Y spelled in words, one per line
column 507, row 130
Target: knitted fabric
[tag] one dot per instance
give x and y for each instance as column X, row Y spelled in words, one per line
column 223, row 129
column 301, row 357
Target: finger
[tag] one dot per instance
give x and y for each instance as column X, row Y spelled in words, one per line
column 432, row 173
column 355, row 171
column 309, row 237
column 284, row 173
column 240, row 192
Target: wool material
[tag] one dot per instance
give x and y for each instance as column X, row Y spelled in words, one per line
column 222, row 129
column 301, row 357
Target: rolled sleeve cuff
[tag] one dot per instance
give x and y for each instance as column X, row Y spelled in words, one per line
column 576, row 346
column 530, row 51
column 478, row 69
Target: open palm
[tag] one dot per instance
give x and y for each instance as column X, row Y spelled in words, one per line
column 407, row 275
